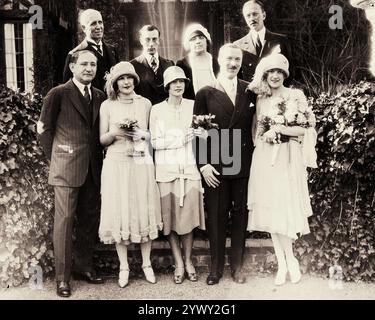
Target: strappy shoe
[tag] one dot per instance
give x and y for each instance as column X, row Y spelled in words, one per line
column 191, row 274
column 149, row 274
column 179, row 275
column 123, row 279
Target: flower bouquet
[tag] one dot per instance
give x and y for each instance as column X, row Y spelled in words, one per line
column 288, row 114
column 128, row 124
column 204, row 121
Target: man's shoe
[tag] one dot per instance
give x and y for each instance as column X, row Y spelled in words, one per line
column 63, row 289
column 89, row 276
column 239, row 277
column 213, row 279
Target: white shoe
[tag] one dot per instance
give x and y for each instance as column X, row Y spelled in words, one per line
column 294, row 271
column 281, row 276
column 149, row 274
column 123, row 279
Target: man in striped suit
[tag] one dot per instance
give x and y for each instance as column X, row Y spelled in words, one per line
column 68, row 130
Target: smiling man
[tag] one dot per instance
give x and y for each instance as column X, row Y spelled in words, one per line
column 259, row 42
column 68, row 130
column 225, row 182
column 150, row 66
column 92, row 25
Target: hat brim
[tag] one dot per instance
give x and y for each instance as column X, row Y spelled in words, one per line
column 187, row 82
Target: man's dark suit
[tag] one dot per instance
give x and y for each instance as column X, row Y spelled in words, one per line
column 70, row 140
column 104, row 64
column 184, row 64
column 151, row 84
column 273, row 42
column 233, row 187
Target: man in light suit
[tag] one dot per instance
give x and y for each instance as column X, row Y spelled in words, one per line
column 92, row 25
column 259, row 42
column 68, row 130
column 150, row 66
column 225, row 182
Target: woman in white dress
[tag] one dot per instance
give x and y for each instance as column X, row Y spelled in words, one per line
column 285, row 138
column 130, row 211
column 176, row 171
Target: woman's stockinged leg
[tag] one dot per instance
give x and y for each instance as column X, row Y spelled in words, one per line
column 291, row 260
column 174, row 242
column 187, row 242
column 146, row 261
column 281, row 262
column 122, row 252
column 146, row 253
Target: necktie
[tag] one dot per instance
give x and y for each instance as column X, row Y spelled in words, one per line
column 87, row 95
column 97, row 46
column 258, row 46
column 88, row 100
column 232, row 93
column 154, row 65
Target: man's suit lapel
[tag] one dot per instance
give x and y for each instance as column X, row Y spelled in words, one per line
column 109, row 53
column 74, row 96
column 223, row 99
column 239, row 107
column 96, row 105
column 151, row 76
column 269, row 44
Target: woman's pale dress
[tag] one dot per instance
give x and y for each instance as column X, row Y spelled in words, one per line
column 278, row 196
column 130, row 211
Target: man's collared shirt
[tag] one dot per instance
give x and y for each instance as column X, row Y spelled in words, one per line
column 95, row 45
column 81, row 87
column 230, row 87
column 149, row 59
column 262, row 35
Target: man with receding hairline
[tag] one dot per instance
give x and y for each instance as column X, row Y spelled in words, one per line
column 68, row 130
column 92, row 25
column 225, row 182
column 259, row 42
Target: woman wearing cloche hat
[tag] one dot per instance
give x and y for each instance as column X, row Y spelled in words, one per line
column 176, row 171
column 130, row 211
column 199, row 65
column 278, row 199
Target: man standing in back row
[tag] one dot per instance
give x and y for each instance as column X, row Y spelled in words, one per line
column 150, row 66
column 259, row 42
column 92, row 25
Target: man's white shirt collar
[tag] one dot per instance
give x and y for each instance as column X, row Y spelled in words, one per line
column 149, row 57
column 81, row 86
column 227, row 83
column 262, row 35
column 89, row 40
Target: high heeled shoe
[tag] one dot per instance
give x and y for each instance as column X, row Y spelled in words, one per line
column 191, row 274
column 123, row 278
column 149, row 274
column 281, row 276
column 179, row 275
column 294, row 271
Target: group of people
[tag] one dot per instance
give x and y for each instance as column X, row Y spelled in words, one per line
column 160, row 174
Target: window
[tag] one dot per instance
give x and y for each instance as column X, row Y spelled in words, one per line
column 19, row 56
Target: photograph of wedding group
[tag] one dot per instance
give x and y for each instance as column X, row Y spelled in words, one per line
column 187, row 150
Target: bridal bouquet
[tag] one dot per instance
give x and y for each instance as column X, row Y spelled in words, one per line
column 204, row 121
column 287, row 113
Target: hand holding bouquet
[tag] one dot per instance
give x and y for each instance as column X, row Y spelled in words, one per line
column 204, row 121
column 128, row 125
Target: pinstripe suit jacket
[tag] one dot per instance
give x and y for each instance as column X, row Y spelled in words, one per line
column 69, row 138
